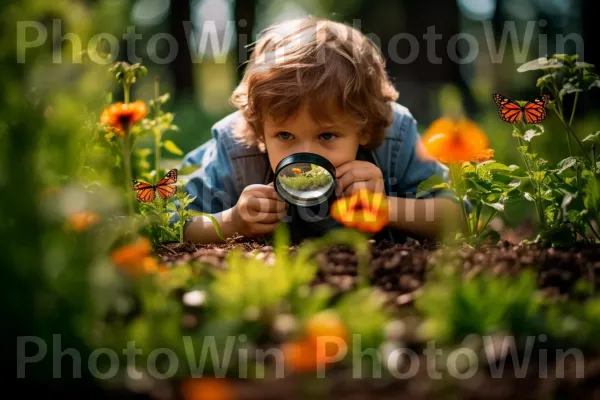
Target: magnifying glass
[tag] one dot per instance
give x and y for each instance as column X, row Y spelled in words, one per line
column 305, row 179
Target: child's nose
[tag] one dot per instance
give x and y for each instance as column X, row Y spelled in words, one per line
column 309, row 147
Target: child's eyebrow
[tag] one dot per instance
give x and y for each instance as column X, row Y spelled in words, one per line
column 328, row 126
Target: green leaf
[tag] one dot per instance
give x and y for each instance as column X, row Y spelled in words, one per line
column 565, row 164
column 172, row 148
column 541, row 63
column 591, row 196
column 517, row 133
column 545, row 80
column 569, row 88
column 188, row 169
column 215, row 223
column 584, row 65
column 528, row 197
column 434, row 182
column 495, row 206
column 523, row 149
column 537, row 130
column 594, row 137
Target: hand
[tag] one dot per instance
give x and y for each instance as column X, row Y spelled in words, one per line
column 258, row 210
column 356, row 174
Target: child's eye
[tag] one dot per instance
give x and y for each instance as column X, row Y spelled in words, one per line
column 285, row 135
column 327, row 137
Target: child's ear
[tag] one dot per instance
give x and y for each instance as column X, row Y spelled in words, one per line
column 363, row 138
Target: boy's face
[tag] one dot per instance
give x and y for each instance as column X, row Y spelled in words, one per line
column 300, row 133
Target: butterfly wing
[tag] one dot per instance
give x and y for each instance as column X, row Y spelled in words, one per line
column 145, row 191
column 535, row 111
column 508, row 110
column 166, row 187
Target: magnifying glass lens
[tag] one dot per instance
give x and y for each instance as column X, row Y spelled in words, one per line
column 305, row 184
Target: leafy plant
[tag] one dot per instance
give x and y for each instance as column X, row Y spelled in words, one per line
column 487, row 185
column 250, row 283
column 315, row 178
column 454, row 307
column 160, row 215
column 558, row 192
column 120, row 121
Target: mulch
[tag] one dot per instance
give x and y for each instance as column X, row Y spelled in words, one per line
column 400, row 271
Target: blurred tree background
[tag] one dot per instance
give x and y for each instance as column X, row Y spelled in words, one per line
column 496, row 36
column 205, row 61
column 464, row 74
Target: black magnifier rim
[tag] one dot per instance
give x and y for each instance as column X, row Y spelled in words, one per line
column 310, row 158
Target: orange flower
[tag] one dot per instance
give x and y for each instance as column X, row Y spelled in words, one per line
column 208, row 389
column 80, row 221
column 364, row 210
column 302, row 356
column 451, row 141
column 135, row 258
column 132, row 253
column 325, row 323
column 485, row 155
column 297, row 171
column 120, row 116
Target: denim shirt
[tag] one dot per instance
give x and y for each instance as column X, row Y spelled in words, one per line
column 226, row 167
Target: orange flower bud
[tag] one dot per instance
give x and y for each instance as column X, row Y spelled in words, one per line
column 120, row 117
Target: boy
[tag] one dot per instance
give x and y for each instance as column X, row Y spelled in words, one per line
column 314, row 85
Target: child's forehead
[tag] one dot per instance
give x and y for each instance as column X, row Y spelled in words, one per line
column 324, row 115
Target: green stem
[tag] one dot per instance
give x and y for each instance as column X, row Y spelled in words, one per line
column 126, row 153
column 456, row 185
column 182, row 219
column 492, row 216
column 537, row 189
column 573, row 109
column 157, row 155
column 593, row 230
column 558, row 110
column 475, row 228
column 578, row 178
column 126, row 89
column 157, row 132
column 559, row 114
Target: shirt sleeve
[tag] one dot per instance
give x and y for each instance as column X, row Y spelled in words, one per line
column 411, row 170
column 213, row 183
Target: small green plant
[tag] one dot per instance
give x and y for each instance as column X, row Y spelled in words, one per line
column 316, row 177
column 488, row 186
column 248, row 282
column 180, row 207
column 454, row 307
column 160, row 214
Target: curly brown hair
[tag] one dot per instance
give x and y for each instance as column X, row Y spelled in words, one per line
column 327, row 64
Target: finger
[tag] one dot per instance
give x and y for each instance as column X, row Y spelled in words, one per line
column 264, row 191
column 348, row 179
column 355, row 187
column 271, row 218
column 261, row 204
column 372, row 186
column 347, row 166
column 263, row 229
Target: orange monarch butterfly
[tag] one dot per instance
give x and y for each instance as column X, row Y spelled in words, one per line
column 534, row 111
column 166, row 187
